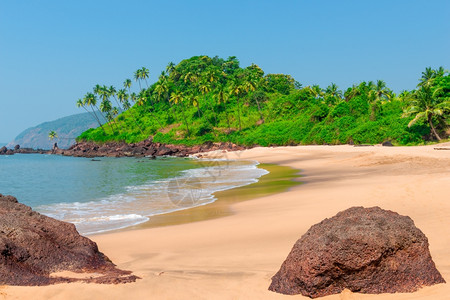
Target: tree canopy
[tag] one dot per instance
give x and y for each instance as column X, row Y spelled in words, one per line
column 213, row 99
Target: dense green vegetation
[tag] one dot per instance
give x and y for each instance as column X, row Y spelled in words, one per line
column 212, row 99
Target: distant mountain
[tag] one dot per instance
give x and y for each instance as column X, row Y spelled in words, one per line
column 67, row 128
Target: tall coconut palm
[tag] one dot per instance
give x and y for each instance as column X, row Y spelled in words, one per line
column 141, row 100
column 205, row 88
column 427, row 77
column 380, row 92
column 332, row 94
column 127, row 85
column 160, row 90
column 113, row 92
column 115, row 111
column 137, row 77
column 91, row 100
column 222, row 98
column 351, row 93
column 80, row 103
column 316, row 91
column 101, row 93
column 250, row 85
column 170, row 68
column 145, row 73
column 177, row 98
column 127, row 106
column 106, row 107
column 191, row 77
column 236, row 90
column 333, row 91
column 424, row 104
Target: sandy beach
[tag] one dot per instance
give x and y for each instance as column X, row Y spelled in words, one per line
column 235, row 256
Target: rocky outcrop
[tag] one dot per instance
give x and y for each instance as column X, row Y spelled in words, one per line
column 366, row 250
column 120, row 149
column 17, row 150
column 32, row 246
column 144, row 148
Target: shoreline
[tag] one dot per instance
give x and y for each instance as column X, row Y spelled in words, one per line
column 235, row 256
column 279, row 179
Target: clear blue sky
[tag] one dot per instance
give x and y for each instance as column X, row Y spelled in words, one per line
column 52, row 52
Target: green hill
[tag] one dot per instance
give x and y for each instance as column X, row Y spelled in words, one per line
column 212, row 99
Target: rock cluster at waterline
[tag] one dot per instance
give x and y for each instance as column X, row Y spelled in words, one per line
column 366, row 250
column 32, row 246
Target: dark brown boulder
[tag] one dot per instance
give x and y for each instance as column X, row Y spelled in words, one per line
column 32, row 246
column 366, row 250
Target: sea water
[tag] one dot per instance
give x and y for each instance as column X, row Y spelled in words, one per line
column 103, row 194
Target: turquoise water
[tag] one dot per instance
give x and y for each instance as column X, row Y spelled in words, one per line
column 110, row 193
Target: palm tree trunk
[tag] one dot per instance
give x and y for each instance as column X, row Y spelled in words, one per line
column 203, row 114
column 259, row 110
column 226, row 114
column 136, row 122
column 156, row 119
column 433, row 129
column 239, row 113
column 184, row 117
column 211, row 106
column 98, row 120
column 173, row 112
column 106, row 120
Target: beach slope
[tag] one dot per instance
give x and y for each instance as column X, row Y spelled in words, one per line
column 234, row 257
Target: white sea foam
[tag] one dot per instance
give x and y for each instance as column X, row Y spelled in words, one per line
column 194, row 187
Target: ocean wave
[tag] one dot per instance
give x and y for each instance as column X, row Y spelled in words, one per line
column 193, row 187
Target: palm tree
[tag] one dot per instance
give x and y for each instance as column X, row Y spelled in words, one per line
column 425, row 105
column 170, row 68
column 316, row 91
column 52, row 135
column 236, row 90
column 205, row 88
column 250, row 85
column 91, row 100
column 222, row 98
column 191, row 77
column 160, row 89
column 123, row 98
column 332, row 94
column 141, row 100
column 380, row 92
column 113, row 92
column 127, row 84
column 427, row 77
column 351, row 93
column 145, row 74
column 137, row 77
column 333, row 90
column 115, row 111
column 80, row 103
column 106, row 107
column 177, row 98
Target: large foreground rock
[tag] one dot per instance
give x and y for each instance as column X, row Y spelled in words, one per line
column 32, row 246
column 366, row 250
